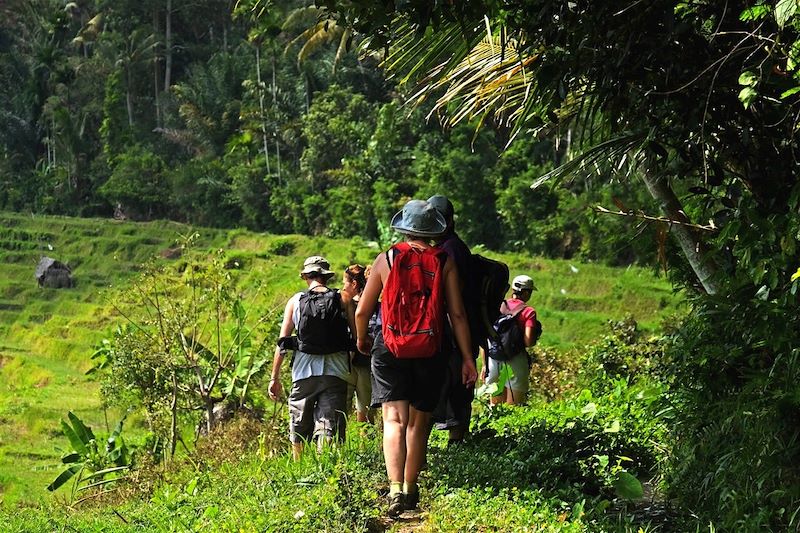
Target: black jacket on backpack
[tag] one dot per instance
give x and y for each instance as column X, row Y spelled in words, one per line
column 322, row 327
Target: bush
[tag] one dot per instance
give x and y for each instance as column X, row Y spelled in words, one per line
column 137, row 184
column 736, row 413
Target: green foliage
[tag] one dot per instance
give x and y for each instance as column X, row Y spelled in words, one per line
column 336, row 127
column 92, row 461
column 203, row 194
column 137, row 183
column 736, row 396
column 187, row 345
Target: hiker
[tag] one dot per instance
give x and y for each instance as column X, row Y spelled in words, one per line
column 419, row 288
column 516, row 388
column 455, row 405
column 354, row 281
column 321, row 362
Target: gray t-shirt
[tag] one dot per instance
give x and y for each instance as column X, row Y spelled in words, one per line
column 308, row 365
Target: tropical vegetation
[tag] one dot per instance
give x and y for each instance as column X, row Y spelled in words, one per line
column 657, row 134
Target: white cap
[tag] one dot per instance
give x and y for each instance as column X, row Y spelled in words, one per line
column 523, row 283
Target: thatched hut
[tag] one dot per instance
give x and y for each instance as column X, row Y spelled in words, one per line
column 53, row 274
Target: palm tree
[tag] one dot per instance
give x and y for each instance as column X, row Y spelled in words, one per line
column 477, row 71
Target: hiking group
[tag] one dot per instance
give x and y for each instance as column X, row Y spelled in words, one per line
column 404, row 336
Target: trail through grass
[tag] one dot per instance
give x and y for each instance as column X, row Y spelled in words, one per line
column 47, row 335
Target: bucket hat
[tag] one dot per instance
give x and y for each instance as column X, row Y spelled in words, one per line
column 316, row 264
column 419, row 218
column 523, row 283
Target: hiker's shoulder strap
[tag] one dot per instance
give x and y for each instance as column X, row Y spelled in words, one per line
column 506, row 309
column 394, row 251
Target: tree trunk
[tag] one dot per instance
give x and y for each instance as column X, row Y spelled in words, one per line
column 261, row 105
column 168, row 47
column 275, row 110
column 693, row 248
column 129, row 96
column 155, row 74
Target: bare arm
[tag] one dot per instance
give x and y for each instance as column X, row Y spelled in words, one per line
column 287, row 326
column 368, row 302
column 349, row 307
column 458, row 319
column 528, row 333
column 529, row 338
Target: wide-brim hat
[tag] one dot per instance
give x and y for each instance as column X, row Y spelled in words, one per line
column 419, row 218
column 316, row 264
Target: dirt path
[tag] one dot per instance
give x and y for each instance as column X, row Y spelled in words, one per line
column 408, row 522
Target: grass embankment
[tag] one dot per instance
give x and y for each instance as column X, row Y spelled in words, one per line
column 47, row 335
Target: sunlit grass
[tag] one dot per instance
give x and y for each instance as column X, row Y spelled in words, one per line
column 47, row 336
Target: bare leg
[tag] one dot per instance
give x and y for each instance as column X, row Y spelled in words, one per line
column 395, row 422
column 515, row 397
column 297, row 450
column 419, row 424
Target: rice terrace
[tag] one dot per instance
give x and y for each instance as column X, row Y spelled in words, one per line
column 399, row 266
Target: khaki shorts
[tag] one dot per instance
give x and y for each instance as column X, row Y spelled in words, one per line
column 520, row 381
column 360, row 385
column 317, row 408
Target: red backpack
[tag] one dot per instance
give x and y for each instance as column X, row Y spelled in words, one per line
column 412, row 307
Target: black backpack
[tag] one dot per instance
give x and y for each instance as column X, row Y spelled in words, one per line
column 322, row 328
column 509, row 338
column 486, row 288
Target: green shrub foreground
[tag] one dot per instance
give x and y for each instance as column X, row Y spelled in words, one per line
column 571, row 464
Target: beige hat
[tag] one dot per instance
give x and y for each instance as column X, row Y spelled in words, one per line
column 316, row 264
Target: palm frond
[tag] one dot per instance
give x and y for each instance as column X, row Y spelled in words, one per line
column 301, row 17
column 416, row 55
column 344, row 45
column 326, row 32
column 612, row 154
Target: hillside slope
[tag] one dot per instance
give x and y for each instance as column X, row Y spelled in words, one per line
column 47, row 335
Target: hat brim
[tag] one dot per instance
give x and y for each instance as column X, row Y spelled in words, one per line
column 397, row 225
column 320, row 271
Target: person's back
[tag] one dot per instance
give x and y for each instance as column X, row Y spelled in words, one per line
column 408, row 387
column 360, row 380
column 320, row 366
column 516, row 388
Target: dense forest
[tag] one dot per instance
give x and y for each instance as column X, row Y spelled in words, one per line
column 660, row 133
column 209, row 114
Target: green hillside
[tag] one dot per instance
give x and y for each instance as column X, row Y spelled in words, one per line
column 47, row 335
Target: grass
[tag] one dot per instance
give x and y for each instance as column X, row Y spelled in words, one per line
column 47, row 335
column 531, row 468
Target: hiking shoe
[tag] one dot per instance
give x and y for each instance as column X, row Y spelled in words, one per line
column 396, row 505
column 412, row 499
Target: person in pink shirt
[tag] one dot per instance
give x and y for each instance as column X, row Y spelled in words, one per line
column 516, row 388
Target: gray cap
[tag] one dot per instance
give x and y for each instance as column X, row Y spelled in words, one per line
column 316, row 264
column 419, row 219
column 443, row 205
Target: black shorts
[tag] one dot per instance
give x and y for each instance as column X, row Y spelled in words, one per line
column 418, row 381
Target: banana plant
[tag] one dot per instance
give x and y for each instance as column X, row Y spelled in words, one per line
column 90, row 461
